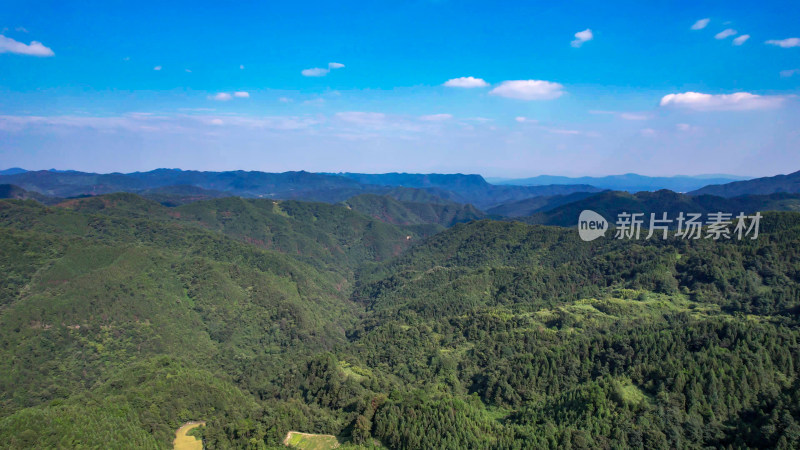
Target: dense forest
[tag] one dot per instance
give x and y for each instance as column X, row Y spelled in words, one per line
column 123, row 318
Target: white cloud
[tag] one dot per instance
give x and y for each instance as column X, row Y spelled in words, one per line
column 216, row 122
column 241, row 66
column 785, row 43
column 188, row 70
column 321, row 72
column 222, row 97
column 739, row 101
column 466, row 82
column 285, row 100
column 157, row 68
column 225, row 96
column 741, row 39
column 315, row 72
column 700, row 24
column 789, row 73
column 581, row 37
column 528, row 90
column 436, row 117
column 8, row 45
column 725, row 33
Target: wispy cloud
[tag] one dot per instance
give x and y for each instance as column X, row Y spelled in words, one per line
column 157, row 68
column 741, row 39
column 785, row 43
column 528, row 90
column 581, row 37
column 35, row 48
column 466, row 82
column 789, row 73
column 371, row 119
column 621, row 115
column 241, row 94
column 321, row 72
column 725, row 33
column 685, row 127
column 633, row 116
column 647, row 132
column 700, row 24
column 436, row 117
column 739, row 101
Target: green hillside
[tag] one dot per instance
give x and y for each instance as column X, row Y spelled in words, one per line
column 123, row 319
column 388, row 209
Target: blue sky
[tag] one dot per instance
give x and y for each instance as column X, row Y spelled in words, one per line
column 575, row 88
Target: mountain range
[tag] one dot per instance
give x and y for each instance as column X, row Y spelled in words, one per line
column 630, row 182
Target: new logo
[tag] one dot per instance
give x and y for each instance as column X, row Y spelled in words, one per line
column 591, row 225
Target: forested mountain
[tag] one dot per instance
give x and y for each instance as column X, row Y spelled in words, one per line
column 15, row 192
column 757, row 186
column 180, row 194
column 388, row 209
column 609, row 204
column 121, row 319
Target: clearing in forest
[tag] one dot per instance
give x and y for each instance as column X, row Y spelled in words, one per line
column 183, row 441
column 308, row 441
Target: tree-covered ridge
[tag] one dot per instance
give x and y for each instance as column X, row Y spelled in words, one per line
column 387, row 209
column 789, row 183
column 120, row 314
column 610, row 204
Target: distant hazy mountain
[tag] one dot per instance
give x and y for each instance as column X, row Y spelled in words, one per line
column 536, row 204
column 473, row 189
column 12, row 171
column 629, row 182
column 765, row 185
column 330, row 188
column 609, row 204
